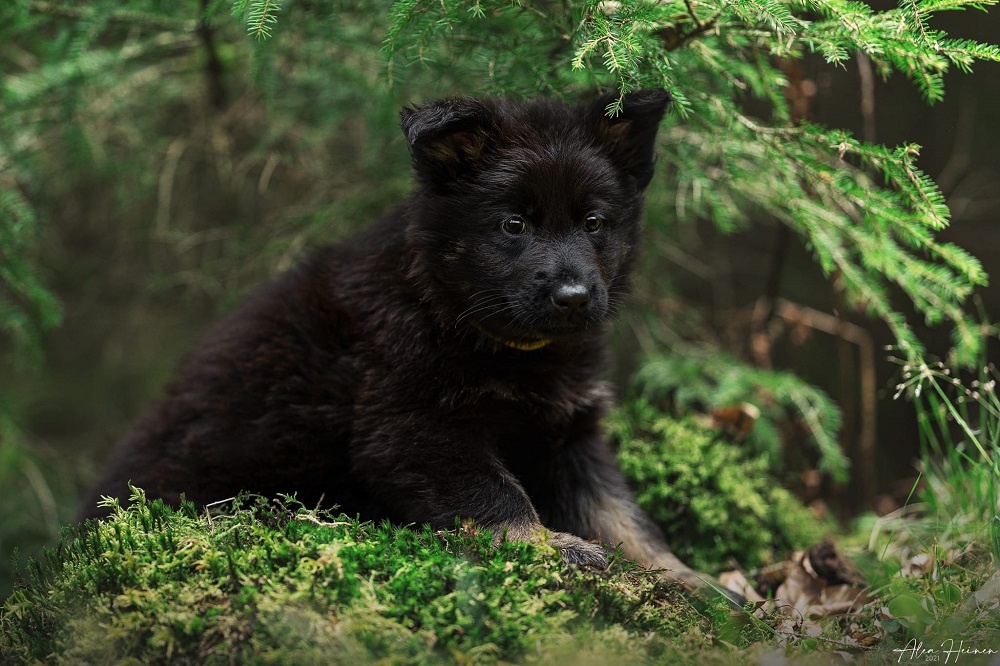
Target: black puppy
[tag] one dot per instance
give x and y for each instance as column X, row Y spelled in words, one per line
column 448, row 362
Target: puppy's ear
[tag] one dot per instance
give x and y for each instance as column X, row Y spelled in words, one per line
column 630, row 136
column 447, row 138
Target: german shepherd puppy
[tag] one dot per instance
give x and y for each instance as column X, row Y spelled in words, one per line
column 447, row 363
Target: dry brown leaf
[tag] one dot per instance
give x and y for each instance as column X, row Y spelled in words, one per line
column 799, row 590
column 988, row 595
column 917, row 565
column 819, row 583
column 837, row 599
column 737, row 582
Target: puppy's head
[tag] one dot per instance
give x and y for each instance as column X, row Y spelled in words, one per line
column 527, row 214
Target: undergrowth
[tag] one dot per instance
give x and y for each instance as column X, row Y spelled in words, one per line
column 717, row 505
column 274, row 582
column 267, row 582
column 270, row 581
column 934, row 562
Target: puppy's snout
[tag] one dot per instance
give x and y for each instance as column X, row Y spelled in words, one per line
column 571, row 297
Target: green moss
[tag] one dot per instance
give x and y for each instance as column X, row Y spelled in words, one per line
column 713, row 501
column 276, row 583
column 273, row 582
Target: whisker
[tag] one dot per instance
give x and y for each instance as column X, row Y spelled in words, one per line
column 489, row 309
column 479, row 305
column 481, row 302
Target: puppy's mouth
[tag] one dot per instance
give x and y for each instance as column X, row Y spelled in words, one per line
column 537, row 338
column 538, row 322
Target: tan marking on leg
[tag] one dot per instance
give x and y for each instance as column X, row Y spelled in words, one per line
column 617, row 524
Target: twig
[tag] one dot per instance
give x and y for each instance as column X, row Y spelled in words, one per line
column 832, row 325
column 958, row 162
column 166, row 185
column 694, row 17
column 867, row 96
column 772, row 284
column 560, row 28
column 213, row 65
column 313, row 519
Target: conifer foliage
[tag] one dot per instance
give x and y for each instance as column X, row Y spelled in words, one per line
column 735, row 152
column 867, row 212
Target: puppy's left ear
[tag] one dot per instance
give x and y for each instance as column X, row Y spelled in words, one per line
column 630, row 136
column 447, row 138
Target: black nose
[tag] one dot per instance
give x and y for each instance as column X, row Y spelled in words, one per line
column 571, row 297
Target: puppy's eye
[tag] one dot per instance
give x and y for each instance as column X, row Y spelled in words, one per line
column 593, row 223
column 514, row 226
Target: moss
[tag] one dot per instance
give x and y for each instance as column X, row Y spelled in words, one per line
column 276, row 583
column 273, row 582
column 714, row 502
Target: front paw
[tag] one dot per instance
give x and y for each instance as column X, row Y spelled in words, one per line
column 575, row 550
column 572, row 548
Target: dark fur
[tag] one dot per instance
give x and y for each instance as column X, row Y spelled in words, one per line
column 380, row 374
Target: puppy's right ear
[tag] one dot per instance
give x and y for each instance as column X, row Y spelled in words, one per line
column 630, row 136
column 447, row 138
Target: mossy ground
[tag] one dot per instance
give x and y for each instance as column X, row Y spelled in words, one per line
column 272, row 582
column 264, row 581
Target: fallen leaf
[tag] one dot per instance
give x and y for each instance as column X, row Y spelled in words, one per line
column 988, row 594
column 799, row 590
column 917, row 566
column 819, row 583
column 737, row 582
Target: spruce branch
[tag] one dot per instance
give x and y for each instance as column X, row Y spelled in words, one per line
column 260, row 16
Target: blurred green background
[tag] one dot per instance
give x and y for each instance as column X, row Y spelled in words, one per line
column 169, row 180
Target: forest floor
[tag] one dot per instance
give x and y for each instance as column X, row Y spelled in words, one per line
column 259, row 581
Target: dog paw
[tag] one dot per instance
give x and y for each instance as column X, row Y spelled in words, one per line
column 575, row 550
